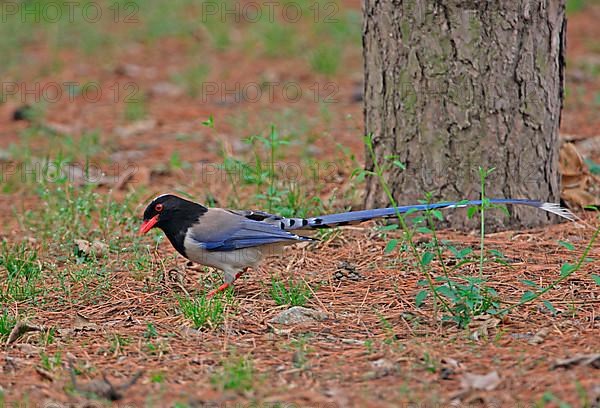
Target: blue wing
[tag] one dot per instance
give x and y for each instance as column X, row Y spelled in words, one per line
column 220, row 230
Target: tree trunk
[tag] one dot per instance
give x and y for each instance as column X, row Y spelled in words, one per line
column 456, row 84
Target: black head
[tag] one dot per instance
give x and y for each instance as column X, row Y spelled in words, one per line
column 174, row 215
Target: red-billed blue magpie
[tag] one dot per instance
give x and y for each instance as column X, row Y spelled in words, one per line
column 234, row 240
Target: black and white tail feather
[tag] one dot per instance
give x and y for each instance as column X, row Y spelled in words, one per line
column 356, row 217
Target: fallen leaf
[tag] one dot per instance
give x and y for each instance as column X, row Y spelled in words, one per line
column 381, row 368
column 91, row 248
column 166, row 89
column 136, row 128
column 28, row 349
column 450, row 368
column 592, row 360
column 82, row 323
column 103, row 388
column 44, row 373
column 539, row 337
column 125, row 177
column 487, row 382
column 481, row 324
column 20, row 329
column 579, row 188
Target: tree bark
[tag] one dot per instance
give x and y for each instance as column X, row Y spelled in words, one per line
column 451, row 85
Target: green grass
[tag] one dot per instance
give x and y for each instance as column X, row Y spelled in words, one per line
column 290, row 293
column 45, row 158
column 36, row 21
column 278, row 39
column 206, row 313
column 66, row 213
column 50, row 363
column 574, row 6
column 135, row 109
column 7, row 322
column 326, row 59
column 236, row 374
column 118, row 344
column 192, row 78
column 301, row 351
column 279, row 184
column 22, row 271
column 70, row 212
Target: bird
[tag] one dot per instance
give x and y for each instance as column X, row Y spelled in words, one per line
column 235, row 240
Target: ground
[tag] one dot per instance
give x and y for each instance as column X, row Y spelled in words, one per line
column 83, row 165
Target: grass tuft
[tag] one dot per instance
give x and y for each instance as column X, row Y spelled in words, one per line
column 23, row 272
column 237, row 374
column 292, row 293
column 206, row 313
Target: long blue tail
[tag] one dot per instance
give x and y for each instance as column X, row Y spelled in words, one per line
column 356, row 217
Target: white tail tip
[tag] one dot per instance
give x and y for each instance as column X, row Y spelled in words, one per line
column 560, row 211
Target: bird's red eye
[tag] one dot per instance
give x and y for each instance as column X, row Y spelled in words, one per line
column 158, row 207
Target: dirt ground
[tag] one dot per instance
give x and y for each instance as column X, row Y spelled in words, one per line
column 373, row 346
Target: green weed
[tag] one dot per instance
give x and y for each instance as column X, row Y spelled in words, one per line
column 461, row 298
column 278, row 40
column 50, row 363
column 23, row 272
column 326, row 59
column 274, row 187
column 47, row 336
column 292, row 293
column 574, row 6
column 7, row 322
column 237, row 374
column 192, row 78
column 118, row 344
column 301, row 348
column 135, row 109
column 206, row 313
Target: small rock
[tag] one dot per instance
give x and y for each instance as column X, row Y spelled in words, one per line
column 539, row 337
column 82, row 323
column 88, row 248
column 135, row 128
column 20, row 329
column 298, row 314
column 28, row 349
column 80, row 176
column 487, row 382
column 129, row 70
column 521, row 336
column 381, row 368
column 592, row 360
column 481, row 325
column 239, row 147
column 314, row 150
column 60, row 128
column 127, row 155
column 166, row 89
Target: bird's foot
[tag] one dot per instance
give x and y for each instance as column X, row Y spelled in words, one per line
column 217, row 290
column 225, row 285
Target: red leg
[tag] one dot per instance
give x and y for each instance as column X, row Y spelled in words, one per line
column 225, row 285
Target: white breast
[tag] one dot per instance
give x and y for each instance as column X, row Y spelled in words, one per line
column 230, row 262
